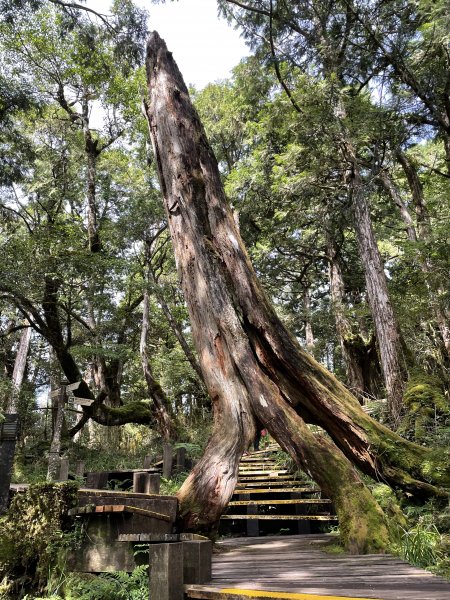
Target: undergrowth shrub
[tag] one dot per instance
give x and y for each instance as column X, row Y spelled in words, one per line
column 34, row 534
column 106, row 586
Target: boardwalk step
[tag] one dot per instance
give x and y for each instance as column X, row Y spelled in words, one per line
column 259, row 473
column 276, row 517
column 267, row 477
column 234, row 593
column 269, row 482
column 274, row 502
column 278, row 490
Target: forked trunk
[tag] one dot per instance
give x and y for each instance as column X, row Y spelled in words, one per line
column 252, row 366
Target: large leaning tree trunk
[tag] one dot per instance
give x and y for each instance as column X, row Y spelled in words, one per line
column 252, row 366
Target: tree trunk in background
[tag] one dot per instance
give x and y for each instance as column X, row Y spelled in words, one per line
column 386, row 326
column 176, row 329
column 8, row 445
column 252, row 366
column 421, row 234
column 54, row 459
column 393, row 191
column 309, row 335
column 156, row 393
column 91, row 150
column 355, row 376
column 424, row 229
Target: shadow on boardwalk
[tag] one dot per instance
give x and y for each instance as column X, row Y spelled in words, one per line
column 295, row 564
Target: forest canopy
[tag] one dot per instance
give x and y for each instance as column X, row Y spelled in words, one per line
column 324, row 160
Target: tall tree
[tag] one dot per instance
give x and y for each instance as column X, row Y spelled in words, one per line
column 252, row 366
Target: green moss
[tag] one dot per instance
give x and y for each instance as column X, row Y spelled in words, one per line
column 424, row 390
column 423, row 398
column 133, row 412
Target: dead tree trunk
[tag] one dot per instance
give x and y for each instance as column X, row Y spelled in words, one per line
column 252, row 366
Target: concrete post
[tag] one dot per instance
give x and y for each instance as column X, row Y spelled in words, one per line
column 167, row 461
column 166, row 571
column 181, row 460
column 97, row 481
column 197, row 555
column 139, row 482
column 64, row 469
column 153, row 483
column 79, row 468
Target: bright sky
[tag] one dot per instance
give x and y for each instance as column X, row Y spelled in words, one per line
column 205, row 47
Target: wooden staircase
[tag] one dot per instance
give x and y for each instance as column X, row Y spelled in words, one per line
column 269, row 500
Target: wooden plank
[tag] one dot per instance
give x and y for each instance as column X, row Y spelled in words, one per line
column 273, row 473
column 83, row 401
column 117, row 508
column 275, row 502
column 161, row 537
column 270, row 483
column 267, row 476
column 295, row 564
column 275, row 517
column 73, row 386
column 214, row 593
column 277, row 490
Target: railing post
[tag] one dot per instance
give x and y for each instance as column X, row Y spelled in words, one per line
column 166, row 571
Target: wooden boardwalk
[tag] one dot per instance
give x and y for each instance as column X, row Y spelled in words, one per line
column 296, row 566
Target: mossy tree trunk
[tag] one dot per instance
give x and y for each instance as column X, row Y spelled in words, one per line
column 252, row 366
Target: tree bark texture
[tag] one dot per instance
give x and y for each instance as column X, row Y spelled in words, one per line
column 252, row 366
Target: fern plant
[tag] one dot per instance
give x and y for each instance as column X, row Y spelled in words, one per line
column 119, row 585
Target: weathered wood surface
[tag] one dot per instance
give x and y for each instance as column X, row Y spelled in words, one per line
column 278, row 517
column 295, row 564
